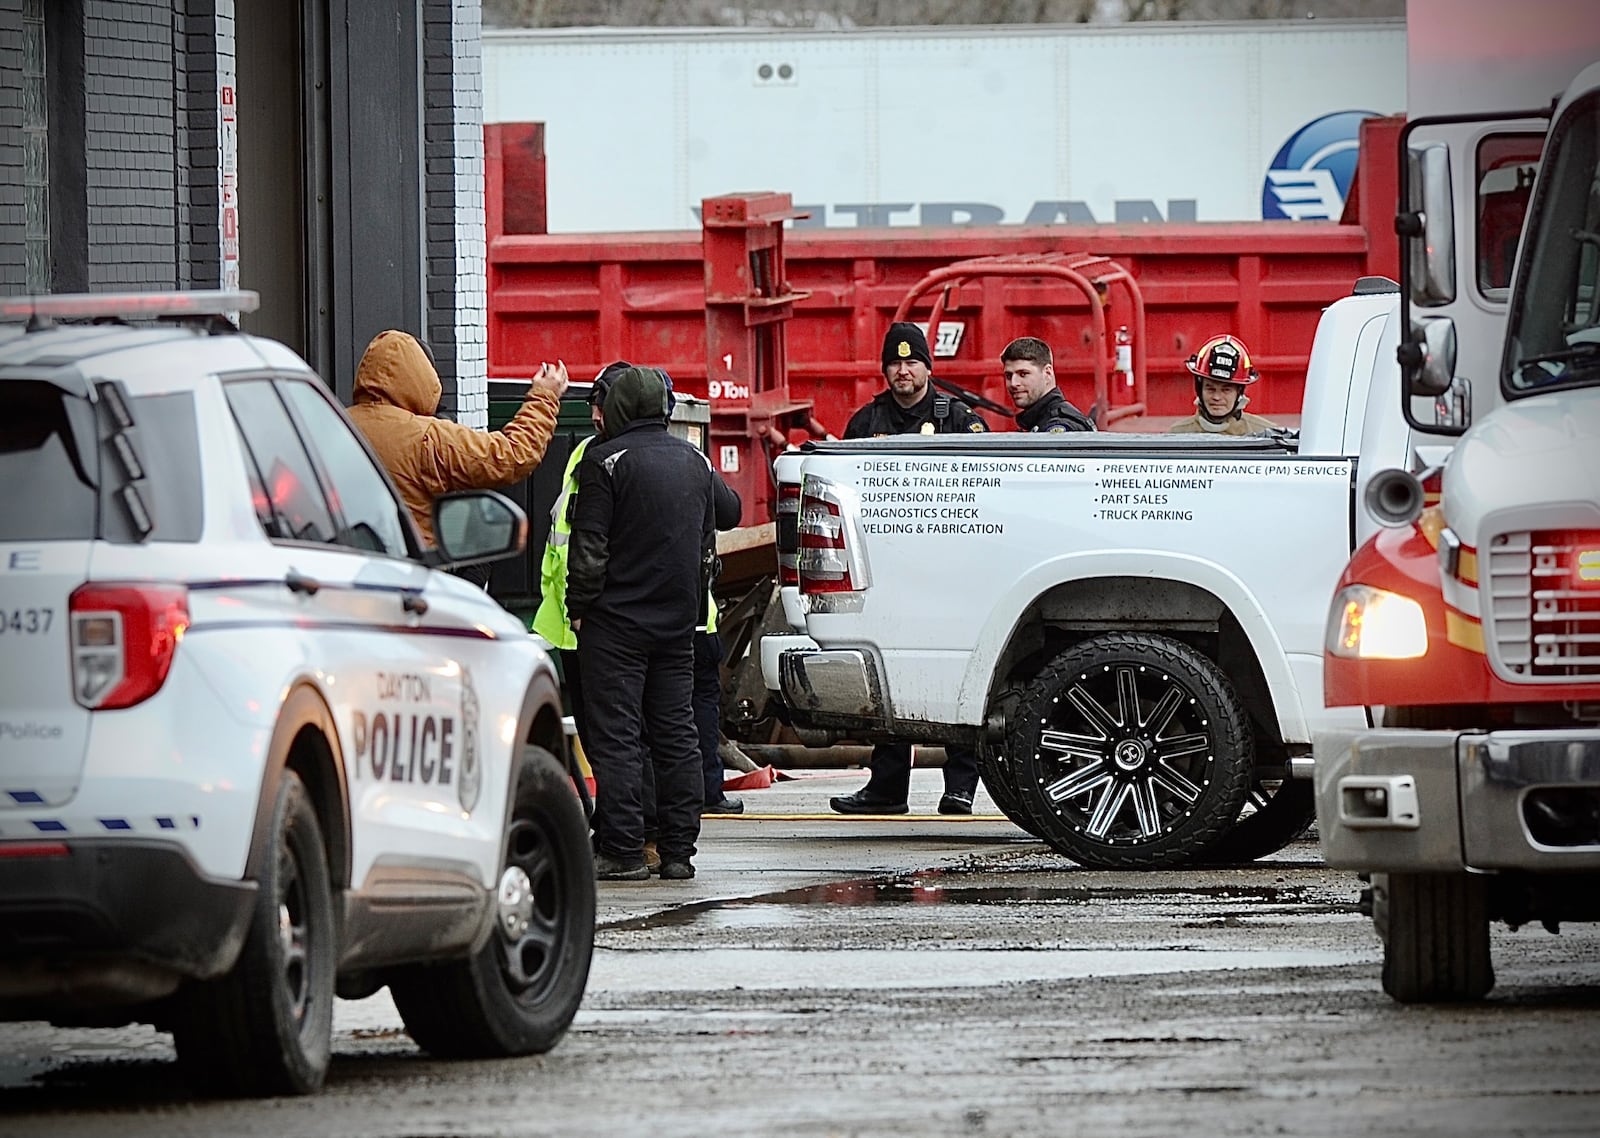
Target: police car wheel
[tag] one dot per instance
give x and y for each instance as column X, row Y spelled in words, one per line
column 518, row 994
column 1435, row 933
column 1132, row 751
column 266, row 1027
column 1276, row 812
column 999, row 779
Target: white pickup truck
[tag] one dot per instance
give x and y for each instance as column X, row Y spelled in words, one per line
column 1129, row 626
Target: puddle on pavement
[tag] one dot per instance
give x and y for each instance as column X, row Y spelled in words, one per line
column 713, row 969
column 709, row 969
column 793, row 906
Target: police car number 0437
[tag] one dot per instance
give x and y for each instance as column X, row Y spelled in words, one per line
column 25, row 622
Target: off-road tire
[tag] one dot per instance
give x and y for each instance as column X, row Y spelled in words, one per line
column 517, row 995
column 999, row 779
column 266, row 1027
column 1275, row 814
column 1435, row 933
column 1132, row 751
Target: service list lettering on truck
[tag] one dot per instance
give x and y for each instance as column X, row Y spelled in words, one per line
column 1134, row 639
column 950, row 497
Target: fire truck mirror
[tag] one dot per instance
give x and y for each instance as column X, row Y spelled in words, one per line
column 1431, row 362
column 1430, row 244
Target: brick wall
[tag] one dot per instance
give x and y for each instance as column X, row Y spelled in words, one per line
column 13, row 251
column 130, row 144
column 141, row 169
column 195, row 28
column 471, row 302
column 145, row 179
column 452, row 114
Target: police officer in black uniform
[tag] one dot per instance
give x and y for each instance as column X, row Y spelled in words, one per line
column 642, row 546
column 910, row 406
column 1031, row 383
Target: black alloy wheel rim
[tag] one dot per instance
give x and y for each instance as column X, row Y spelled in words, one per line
column 531, row 903
column 294, row 936
column 1123, row 754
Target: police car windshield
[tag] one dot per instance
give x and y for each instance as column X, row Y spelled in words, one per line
column 1554, row 336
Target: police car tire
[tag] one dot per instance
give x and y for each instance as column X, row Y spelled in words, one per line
column 1284, row 811
column 266, row 1027
column 999, row 779
column 477, row 1008
column 1435, row 933
column 1208, row 705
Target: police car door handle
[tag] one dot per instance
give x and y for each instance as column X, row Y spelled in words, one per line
column 300, row 583
column 413, row 603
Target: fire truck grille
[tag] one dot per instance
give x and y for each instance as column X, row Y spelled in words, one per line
column 1544, row 604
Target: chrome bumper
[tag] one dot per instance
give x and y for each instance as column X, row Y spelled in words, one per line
column 832, row 686
column 774, row 645
column 1399, row 800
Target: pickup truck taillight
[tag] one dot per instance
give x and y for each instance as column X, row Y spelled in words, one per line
column 824, row 564
column 788, row 533
column 123, row 640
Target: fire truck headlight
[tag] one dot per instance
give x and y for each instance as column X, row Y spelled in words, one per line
column 1373, row 624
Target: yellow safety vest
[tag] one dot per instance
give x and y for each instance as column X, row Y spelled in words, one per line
column 551, row 621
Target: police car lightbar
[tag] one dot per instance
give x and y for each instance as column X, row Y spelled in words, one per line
column 136, row 305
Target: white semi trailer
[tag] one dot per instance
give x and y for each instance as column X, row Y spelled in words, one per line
column 936, row 126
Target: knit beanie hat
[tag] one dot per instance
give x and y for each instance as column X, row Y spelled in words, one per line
column 905, row 342
column 603, row 381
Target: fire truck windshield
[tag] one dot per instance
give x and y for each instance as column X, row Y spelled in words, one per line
column 1554, row 339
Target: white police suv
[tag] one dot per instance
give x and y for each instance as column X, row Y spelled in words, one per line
column 256, row 750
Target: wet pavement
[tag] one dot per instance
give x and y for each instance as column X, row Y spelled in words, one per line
column 928, row 975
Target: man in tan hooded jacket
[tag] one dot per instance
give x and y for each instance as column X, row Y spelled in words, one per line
column 396, row 395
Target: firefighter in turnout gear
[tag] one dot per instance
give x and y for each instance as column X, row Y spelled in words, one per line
column 1222, row 371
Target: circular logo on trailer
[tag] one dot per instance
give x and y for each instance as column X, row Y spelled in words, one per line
column 1310, row 176
column 469, row 782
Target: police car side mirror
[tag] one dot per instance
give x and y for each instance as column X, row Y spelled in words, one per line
column 477, row 525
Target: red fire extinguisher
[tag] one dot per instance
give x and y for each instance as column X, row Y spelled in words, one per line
column 1125, row 355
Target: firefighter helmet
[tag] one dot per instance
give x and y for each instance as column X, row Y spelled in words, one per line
column 1223, row 358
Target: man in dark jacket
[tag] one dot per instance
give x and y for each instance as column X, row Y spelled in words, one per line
column 1031, row 383
column 708, row 674
column 910, row 407
column 642, row 544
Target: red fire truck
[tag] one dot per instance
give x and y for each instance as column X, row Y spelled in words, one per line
column 1471, row 628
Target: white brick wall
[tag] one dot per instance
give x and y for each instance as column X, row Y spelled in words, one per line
column 472, row 309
